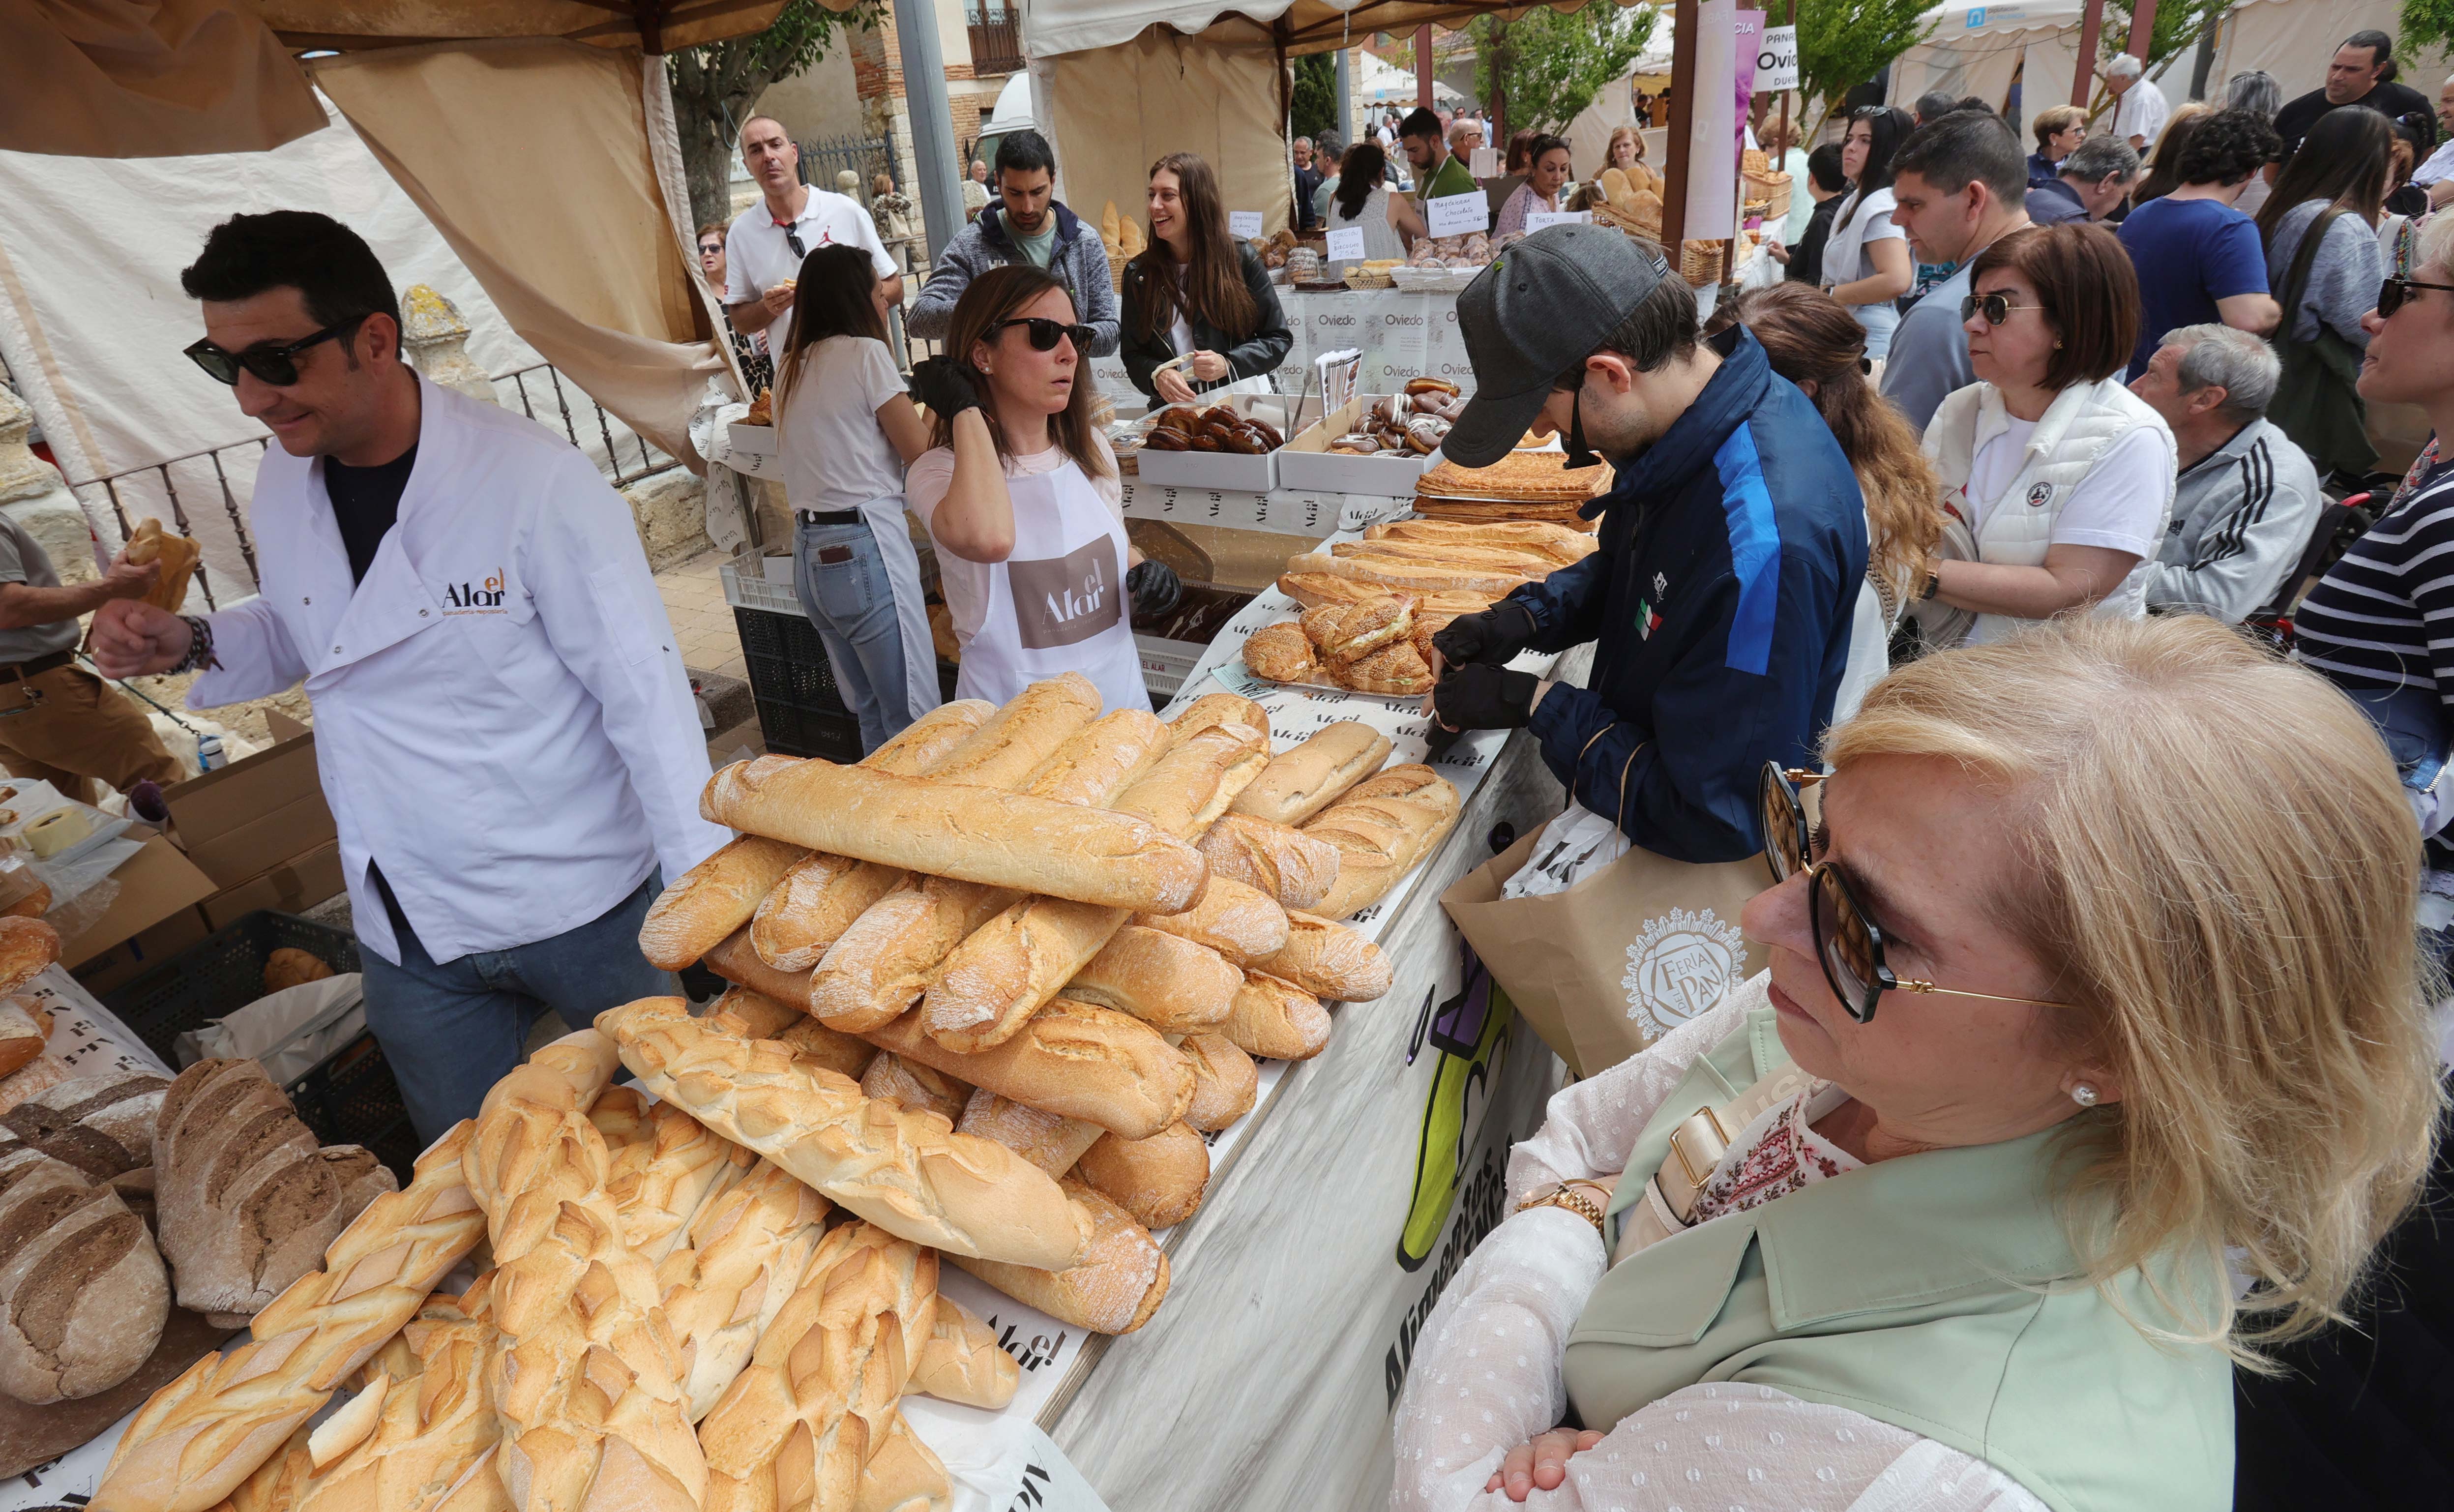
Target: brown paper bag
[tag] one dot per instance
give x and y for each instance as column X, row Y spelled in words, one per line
column 1626, row 955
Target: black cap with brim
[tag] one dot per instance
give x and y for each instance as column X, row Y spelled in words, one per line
column 1540, row 307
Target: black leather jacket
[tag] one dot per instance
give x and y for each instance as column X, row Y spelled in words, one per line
column 1257, row 354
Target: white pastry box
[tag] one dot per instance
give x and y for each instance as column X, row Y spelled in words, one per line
column 748, row 437
column 1306, row 461
column 1223, row 470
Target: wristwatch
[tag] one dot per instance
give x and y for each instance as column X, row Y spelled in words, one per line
column 1932, row 585
column 1577, row 1196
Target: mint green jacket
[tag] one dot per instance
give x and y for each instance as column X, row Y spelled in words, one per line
column 1933, row 1292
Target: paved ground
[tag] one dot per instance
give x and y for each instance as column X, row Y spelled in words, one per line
column 695, row 598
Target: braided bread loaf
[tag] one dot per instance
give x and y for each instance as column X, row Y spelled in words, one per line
column 665, row 1168
column 747, row 1251
column 432, row 1446
column 196, row 1439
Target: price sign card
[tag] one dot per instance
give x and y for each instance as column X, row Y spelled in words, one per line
column 1537, row 219
column 1346, row 245
column 1459, row 214
column 1244, row 224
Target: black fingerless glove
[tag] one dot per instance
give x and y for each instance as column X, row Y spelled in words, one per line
column 1154, row 588
column 944, row 387
column 1496, row 636
column 1481, row 697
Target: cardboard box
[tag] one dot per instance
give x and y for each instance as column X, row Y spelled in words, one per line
column 755, row 438
column 1221, row 470
column 143, row 950
column 154, row 883
column 293, row 887
column 239, row 821
column 1305, row 461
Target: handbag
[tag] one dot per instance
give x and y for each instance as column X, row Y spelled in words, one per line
column 2317, row 400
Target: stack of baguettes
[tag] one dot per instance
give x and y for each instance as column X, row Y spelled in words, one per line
column 1449, row 567
column 1524, row 485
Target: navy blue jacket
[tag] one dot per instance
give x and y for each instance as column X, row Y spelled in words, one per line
column 1720, row 604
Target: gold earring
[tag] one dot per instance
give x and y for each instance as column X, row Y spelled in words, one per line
column 2058, row 345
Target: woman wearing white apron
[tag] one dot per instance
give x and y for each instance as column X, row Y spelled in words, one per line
column 845, row 428
column 1022, row 496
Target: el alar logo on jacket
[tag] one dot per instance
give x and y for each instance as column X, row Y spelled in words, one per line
column 475, row 599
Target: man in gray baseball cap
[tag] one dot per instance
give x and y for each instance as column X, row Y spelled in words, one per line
column 1732, row 553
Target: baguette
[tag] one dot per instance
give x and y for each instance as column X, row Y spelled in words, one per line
column 1049, row 1140
column 881, row 964
column 766, row 1018
column 845, row 1055
column 1236, row 921
column 1557, row 542
column 1410, row 576
column 1328, row 960
column 1166, row 980
column 906, row 1172
column 431, row 1444
column 1159, row 1181
column 1300, row 783
column 1226, row 1081
column 814, row 903
column 1383, row 827
column 916, row 1086
column 1286, row 864
column 1213, row 709
column 746, row 1254
column 719, row 896
column 196, row 1439
column 733, row 960
column 946, row 829
column 1114, row 1290
column 961, row 1361
column 1276, row 1021
column 1313, row 589
column 1086, row 1062
column 1002, row 974
column 1491, row 556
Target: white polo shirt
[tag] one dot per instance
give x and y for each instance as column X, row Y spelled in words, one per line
column 2141, row 112
column 756, row 256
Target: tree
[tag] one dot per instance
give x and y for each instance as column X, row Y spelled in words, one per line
column 2425, row 24
column 1541, row 70
column 716, row 87
column 1312, row 106
column 1843, row 44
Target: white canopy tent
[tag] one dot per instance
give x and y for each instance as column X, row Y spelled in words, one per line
column 1380, row 81
column 1614, row 104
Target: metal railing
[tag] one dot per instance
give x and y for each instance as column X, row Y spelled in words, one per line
column 651, row 460
column 996, row 44
column 231, row 503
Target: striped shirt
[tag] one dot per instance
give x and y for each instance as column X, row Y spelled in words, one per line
column 2384, row 616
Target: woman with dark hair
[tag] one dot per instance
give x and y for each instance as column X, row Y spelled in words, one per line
column 2164, row 156
column 1866, row 262
column 2198, row 258
column 2323, row 263
column 1020, row 494
column 2062, row 476
column 1547, row 172
column 1388, row 221
column 1197, row 302
column 844, row 430
column 1521, row 152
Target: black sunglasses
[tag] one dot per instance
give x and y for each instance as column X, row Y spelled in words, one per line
column 277, row 366
column 1998, row 308
column 1847, row 944
column 1044, row 332
column 2395, row 291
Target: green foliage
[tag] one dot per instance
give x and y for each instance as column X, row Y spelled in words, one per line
column 716, row 87
column 2425, row 24
column 2179, row 26
column 1312, row 106
column 1542, row 70
column 1843, row 44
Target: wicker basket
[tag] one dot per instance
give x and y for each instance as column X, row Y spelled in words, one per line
column 1607, row 214
column 1773, row 188
column 1700, row 263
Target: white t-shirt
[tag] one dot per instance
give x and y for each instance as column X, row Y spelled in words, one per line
column 2119, row 505
column 836, row 455
column 966, row 584
column 756, row 256
column 2141, row 112
column 1180, row 334
column 1845, row 262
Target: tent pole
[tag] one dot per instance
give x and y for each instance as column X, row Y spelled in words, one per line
column 932, row 123
column 1346, row 134
column 1682, row 96
column 2091, row 28
column 2143, row 29
column 1423, row 66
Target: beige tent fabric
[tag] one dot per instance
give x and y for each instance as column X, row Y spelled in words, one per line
column 1119, row 110
column 576, row 248
column 1051, row 28
column 357, row 24
column 147, row 78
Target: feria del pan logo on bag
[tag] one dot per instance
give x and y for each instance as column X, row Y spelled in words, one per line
column 1679, row 964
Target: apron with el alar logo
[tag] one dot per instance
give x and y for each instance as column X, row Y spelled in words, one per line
column 1057, row 603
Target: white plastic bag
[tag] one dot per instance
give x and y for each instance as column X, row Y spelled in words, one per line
column 291, row 1032
column 1572, row 846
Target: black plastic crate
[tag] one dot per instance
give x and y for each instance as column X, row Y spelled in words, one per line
column 793, row 730
column 352, row 1098
column 788, row 663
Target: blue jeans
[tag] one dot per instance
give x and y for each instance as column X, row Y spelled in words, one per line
column 844, row 589
column 2411, row 721
column 452, row 1029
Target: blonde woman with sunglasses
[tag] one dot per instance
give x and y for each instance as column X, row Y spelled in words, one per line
column 1935, row 1212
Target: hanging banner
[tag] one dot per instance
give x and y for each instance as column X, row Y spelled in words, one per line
column 1714, row 123
column 1777, row 60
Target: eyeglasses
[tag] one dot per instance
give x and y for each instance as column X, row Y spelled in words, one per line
column 1998, row 308
column 277, row 366
column 709, row 248
column 1847, row 944
column 1045, row 331
column 2395, row 291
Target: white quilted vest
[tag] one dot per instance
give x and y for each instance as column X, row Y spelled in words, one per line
column 2077, row 429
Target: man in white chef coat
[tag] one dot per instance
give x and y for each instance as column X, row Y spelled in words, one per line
column 505, row 733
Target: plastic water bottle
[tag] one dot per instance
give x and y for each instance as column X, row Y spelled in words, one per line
column 209, row 753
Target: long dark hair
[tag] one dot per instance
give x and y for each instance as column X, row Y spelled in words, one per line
column 2347, row 159
column 991, row 300
column 835, row 296
column 1886, row 127
column 1214, row 288
column 1358, row 176
column 2165, row 154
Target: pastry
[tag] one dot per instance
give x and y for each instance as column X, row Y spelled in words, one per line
column 1345, row 633
column 291, row 966
column 1397, row 670
column 1282, row 652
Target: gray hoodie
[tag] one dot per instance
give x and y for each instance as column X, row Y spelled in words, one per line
column 1078, row 258
column 2241, row 518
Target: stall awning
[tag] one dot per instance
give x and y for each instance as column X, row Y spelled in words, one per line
column 656, row 26
column 1050, row 28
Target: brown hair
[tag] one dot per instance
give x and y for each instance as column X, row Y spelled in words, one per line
column 2053, row 120
column 833, row 297
column 1215, row 273
column 1610, row 151
column 992, row 299
column 716, row 226
column 1811, row 337
column 2089, row 291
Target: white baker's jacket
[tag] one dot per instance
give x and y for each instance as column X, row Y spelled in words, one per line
column 502, row 720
